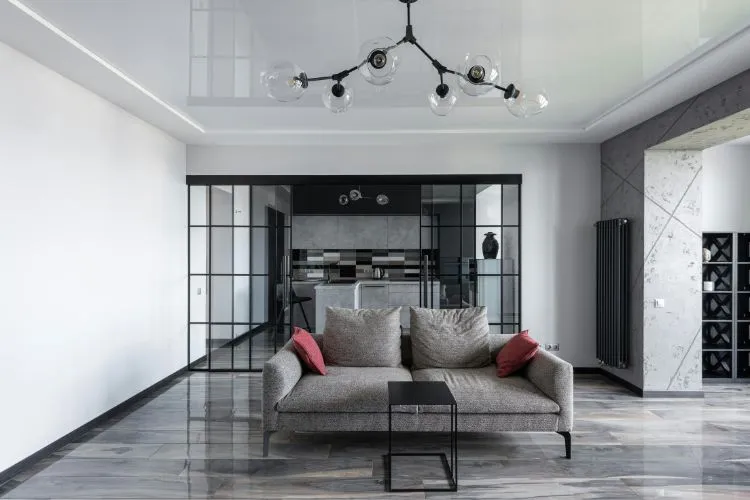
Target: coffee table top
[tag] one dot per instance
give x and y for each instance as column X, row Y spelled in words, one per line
column 420, row 393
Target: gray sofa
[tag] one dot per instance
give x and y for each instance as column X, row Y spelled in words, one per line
column 537, row 399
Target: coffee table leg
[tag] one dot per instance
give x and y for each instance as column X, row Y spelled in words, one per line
column 453, row 455
column 390, row 449
column 455, row 440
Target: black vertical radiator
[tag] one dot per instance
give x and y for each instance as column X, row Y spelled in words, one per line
column 613, row 293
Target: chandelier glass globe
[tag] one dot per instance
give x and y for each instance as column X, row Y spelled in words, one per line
column 380, row 60
column 442, row 100
column 284, row 81
column 527, row 103
column 338, row 98
column 477, row 75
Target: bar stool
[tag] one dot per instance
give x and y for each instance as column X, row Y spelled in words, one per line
column 296, row 299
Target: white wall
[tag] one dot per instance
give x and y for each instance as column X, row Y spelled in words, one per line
column 92, row 256
column 560, row 203
column 726, row 176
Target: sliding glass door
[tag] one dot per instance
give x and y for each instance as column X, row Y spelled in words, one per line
column 239, row 275
column 438, row 245
column 470, row 248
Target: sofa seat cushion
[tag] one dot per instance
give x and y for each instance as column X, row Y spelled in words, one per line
column 479, row 390
column 345, row 390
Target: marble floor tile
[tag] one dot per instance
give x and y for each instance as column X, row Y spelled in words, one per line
column 240, row 451
column 112, row 467
column 112, row 450
column 281, row 469
column 115, row 488
column 201, row 437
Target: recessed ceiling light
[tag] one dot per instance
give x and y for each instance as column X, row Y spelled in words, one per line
column 115, row 70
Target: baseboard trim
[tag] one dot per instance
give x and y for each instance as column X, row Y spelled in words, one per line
column 674, row 394
column 75, row 434
column 586, row 370
column 637, row 390
column 621, row 381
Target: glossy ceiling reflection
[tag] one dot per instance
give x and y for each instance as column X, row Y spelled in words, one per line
column 606, row 64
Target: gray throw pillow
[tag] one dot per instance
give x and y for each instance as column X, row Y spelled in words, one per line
column 450, row 338
column 362, row 337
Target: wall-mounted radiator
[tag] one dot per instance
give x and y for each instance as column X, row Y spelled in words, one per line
column 613, row 293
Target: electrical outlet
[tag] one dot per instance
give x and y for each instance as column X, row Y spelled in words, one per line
column 555, row 347
column 659, row 303
column 547, row 347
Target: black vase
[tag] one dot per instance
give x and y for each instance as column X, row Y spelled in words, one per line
column 490, row 246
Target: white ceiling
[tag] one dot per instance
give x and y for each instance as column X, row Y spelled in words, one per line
column 744, row 141
column 606, row 64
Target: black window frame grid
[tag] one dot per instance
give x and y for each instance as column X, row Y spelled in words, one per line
column 287, row 321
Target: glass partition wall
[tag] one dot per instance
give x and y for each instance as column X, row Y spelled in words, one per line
column 239, row 276
column 471, row 249
column 242, row 301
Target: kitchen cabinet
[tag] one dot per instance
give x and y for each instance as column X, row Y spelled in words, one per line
column 373, row 295
column 405, row 295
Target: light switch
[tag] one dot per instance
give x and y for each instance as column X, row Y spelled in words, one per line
column 659, row 303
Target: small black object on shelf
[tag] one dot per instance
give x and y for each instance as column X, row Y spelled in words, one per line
column 490, row 246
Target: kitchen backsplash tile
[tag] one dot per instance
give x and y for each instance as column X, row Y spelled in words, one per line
column 347, row 263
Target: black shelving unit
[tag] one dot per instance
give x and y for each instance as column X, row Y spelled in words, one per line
column 726, row 309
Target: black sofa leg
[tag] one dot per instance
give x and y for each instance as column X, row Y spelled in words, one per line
column 266, row 438
column 568, row 443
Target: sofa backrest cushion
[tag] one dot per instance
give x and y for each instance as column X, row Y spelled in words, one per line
column 497, row 342
column 362, row 337
column 450, row 338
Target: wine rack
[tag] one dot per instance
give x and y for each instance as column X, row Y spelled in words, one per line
column 726, row 308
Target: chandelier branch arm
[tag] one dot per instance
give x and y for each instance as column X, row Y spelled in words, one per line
column 442, row 69
column 343, row 74
column 478, row 76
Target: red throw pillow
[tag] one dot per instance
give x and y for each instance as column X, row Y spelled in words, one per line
column 308, row 351
column 516, row 353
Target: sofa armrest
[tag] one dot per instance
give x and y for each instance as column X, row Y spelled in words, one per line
column 280, row 374
column 554, row 377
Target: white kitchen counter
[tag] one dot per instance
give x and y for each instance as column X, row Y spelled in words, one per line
column 369, row 294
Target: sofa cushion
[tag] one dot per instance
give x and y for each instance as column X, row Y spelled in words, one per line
column 308, row 350
column 450, row 338
column 346, row 390
column 479, row 390
column 516, row 354
column 362, row 337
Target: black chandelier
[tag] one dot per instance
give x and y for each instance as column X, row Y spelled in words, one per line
column 478, row 74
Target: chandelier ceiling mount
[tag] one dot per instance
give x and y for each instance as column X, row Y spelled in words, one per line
column 478, row 75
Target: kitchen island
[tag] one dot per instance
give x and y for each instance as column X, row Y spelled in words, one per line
column 370, row 294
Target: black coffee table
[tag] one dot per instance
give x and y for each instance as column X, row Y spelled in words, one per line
column 423, row 394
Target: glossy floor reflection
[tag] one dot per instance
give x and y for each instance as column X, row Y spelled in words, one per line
column 200, row 438
column 248, row 354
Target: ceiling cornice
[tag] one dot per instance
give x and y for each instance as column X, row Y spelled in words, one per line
column 704, row 51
